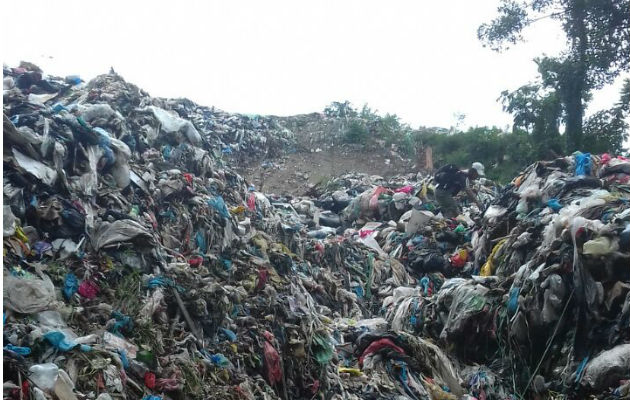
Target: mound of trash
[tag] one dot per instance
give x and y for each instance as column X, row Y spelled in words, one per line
column 138, row 264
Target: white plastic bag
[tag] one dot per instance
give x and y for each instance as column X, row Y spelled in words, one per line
column 28, row 295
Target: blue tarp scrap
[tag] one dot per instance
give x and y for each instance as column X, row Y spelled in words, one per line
column 105, row 143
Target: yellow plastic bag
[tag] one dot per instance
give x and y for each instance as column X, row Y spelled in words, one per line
column 351, row 371
column 19, row 233
column 488, row 267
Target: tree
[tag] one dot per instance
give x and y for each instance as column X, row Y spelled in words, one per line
column 337, row 109
column 598, row 33
column 606, row 130
column 537, row 112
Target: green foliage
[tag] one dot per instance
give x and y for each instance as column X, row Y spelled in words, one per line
column 598, row 50
column 535, row 135
column 368, row 128
column 504, row 154
column 506, row 28
column 357, row 132
column 338, row 109
column 606, row 130
column 539, row 113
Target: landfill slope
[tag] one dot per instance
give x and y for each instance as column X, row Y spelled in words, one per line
column 138, row 264
column 318, row 155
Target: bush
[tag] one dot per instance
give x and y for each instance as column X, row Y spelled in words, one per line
column 356, row 133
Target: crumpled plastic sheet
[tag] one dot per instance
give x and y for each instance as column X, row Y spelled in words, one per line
column 28, row 295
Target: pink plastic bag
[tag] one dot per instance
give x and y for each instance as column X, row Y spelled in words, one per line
column 88, row 289
column 405, row 189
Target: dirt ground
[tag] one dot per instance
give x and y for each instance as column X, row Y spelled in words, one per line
column 320, row 155
column 295, row 173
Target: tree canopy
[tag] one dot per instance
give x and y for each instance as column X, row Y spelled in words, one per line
column 598, row 50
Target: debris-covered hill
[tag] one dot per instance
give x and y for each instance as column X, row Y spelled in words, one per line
column 320, row 153
column 138, row 264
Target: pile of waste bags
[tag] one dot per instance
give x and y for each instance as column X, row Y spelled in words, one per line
column 138, row 264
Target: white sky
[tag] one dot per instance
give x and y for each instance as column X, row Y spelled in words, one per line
column 418, row 59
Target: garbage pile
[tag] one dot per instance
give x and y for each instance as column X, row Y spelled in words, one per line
column 138, row 264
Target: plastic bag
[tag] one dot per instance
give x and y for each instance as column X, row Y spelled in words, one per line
column 582, row 164
column 60, row 342
column 272, row 361
column 39, row 170
column 44, row 376
column 418, row 220
column 8, row 221
column 488, row 267
column 608, row 367
column 71, row 285
column 28, row 295
column 554, row 204
column 171, row 124
column 600, row 246
column 121, row 232
column 219, row 204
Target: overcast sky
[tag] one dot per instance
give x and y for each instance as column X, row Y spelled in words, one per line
column 418, row 59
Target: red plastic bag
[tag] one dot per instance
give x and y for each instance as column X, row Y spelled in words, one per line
column 88, row 289
column 272, row 361
column 195, row 261
column 251, row 202
column 149, row 380
column 459, row 259
column 263, row 275
column 377, row 345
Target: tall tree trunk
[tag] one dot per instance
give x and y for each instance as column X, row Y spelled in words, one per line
column 576, row 86
column 575, row 113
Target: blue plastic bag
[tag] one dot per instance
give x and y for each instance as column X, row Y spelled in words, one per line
column 229, row 334
column 161, row 281
column 582, row 164
column 166, row 152
column 123, row 358
column 227, row 264
column 123, row 323
column 58, row 340
column 554, row 204
column 200, row 239
column 23, row 351
column 105, row 142
column 219, row 204
column 220, row 360
column 512, row 303
column 70, row 286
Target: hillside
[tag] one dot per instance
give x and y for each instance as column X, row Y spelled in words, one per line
column 320, row 154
